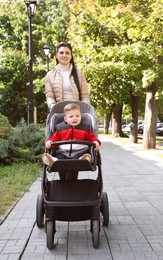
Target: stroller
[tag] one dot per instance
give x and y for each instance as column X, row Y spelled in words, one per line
column 75, row 199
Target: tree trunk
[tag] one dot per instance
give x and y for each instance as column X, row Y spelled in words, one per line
column 134, row 118
column 116, row 121
column 107, row 121
column 149, row 136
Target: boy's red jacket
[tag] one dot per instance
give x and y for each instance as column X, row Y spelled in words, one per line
column 65, row 132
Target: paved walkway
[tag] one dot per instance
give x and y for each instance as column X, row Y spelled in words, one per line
column 133, row 180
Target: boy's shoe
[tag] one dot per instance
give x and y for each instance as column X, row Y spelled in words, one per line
column 48, row 159
column 86, row 156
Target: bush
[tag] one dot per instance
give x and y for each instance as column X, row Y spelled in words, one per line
column 5, row 128
column 7, row 149
column 25, row 143
column 7, row 152
column 30, row 140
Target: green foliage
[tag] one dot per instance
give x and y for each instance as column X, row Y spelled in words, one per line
column 12, row 24
column 13, row 91
column 48, row 26
column 103, row 76
column 119, row 43
column 148, row 77
column 5, row 128
column 25, row 143
column 115, row 42
column 8, row 151
column 30, row 140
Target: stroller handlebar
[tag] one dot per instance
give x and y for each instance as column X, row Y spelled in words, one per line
column 74, row 142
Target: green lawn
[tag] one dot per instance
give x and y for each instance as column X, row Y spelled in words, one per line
column 14, row 180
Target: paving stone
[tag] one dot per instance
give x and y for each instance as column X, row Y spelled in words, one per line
column 133, row 180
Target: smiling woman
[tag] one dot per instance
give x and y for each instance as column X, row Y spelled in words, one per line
column 64, row 55
column 65, row 82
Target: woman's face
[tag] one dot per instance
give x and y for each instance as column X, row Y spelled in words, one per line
column 64, row 55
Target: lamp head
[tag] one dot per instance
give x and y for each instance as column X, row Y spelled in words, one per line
column 47, row 50
column 32, row 4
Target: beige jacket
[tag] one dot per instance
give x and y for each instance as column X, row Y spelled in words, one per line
column 54, row 87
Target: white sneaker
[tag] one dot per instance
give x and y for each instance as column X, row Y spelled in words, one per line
column 86, row 156
column 48, row 159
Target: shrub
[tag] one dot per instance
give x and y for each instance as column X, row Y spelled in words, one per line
column 7, row 149
column 30, row 140
column 25, row 143
column 5, row 128
column 8, row 152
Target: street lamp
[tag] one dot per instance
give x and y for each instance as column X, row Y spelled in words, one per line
column 31, row 9
column 47, row 51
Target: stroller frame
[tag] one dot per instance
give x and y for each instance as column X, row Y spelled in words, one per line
column 73, row 200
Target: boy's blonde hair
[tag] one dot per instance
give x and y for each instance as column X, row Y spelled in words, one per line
column 71, row 106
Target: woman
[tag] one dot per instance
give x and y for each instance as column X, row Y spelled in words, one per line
column 65, row 82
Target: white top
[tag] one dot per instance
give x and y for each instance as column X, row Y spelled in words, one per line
column 65, row 71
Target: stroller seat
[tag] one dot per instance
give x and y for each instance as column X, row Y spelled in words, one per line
column 76, row 165
column 56, row 116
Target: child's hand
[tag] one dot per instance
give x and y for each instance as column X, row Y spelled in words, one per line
column 97, row 145
column 48, row 144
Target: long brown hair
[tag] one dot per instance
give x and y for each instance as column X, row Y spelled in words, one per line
column 74, row 70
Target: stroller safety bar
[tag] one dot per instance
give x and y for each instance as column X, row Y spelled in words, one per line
column 74, row 142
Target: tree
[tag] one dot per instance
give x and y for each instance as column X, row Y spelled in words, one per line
column 104, row 51
column 48, row 26
column 125, row 35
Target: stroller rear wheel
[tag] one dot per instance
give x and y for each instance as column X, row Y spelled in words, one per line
column 40, row 211
column 50, row 229
column 105, row 209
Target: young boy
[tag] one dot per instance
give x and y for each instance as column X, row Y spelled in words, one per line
column 71, row 129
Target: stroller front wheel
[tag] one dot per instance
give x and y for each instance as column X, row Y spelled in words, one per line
column 95, row 232
column 50, row 234
column 40, row 211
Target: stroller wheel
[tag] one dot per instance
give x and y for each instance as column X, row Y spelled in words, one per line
column 105, row 209
column 50, row 234
column 40, row 211
column 95, row 232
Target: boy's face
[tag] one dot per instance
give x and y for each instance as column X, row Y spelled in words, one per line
column 73, row 117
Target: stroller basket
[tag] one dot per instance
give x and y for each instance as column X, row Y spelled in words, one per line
column 71, row 193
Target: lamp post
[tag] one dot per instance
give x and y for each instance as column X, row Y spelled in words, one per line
column 31, row 9
column 47, row 51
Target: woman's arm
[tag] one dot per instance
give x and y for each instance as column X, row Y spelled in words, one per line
column 50, row 95
column 83, row 87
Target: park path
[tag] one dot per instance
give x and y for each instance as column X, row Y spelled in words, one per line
column 133, row 180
